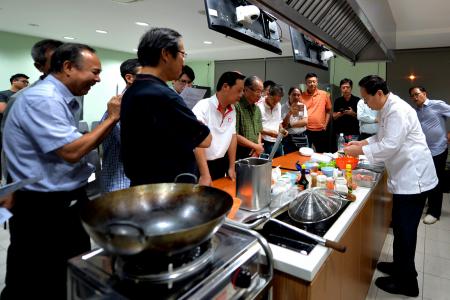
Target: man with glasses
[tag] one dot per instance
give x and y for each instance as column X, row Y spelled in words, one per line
column 151, row 110
column 249, row 120
column 18, row 82
column 185, row 80
column 433, row 116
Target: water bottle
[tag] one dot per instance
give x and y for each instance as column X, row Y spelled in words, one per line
column 340, row 143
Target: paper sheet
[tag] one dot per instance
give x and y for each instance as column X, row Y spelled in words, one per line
column 12, row 187
column 192, row 95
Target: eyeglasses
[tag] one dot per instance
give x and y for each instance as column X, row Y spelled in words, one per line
column 183, row 53
column 258, row 92
column 415, row 95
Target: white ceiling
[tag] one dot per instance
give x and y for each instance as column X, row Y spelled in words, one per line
column 419, row 23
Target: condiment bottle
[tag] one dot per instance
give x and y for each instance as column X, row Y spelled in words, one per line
column 303, row 182
column 322, row 181
column 348, row 176
column 330, row 183
column 313, row 179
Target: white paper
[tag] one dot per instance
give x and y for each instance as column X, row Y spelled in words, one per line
column 192, row 95
column 5, row 214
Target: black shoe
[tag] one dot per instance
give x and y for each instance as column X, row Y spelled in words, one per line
column 408, row 288
column 386, row 267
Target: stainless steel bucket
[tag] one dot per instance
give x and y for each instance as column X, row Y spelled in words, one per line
column 253, row 181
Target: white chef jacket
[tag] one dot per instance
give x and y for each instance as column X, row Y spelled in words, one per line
column 366, row 118
column 271, row 119
column 222, row 127
column 401, row 145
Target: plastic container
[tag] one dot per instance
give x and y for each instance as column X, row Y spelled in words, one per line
column 364, row 178
column 327, row 171
column 340, row 143
column 321, row 181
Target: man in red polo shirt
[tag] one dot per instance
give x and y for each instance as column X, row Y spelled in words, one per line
column 318, row 105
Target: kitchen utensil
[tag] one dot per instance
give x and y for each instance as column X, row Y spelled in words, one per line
column 275, row 146
column 315, row 205
column 163, row 218
column 322, row 241
column 253, row 182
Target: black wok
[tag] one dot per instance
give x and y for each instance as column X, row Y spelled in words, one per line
column 164, row 218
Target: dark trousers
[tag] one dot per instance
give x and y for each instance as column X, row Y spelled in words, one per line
column 318, row 139
column 268, row 146
column 45, row 232
column 435, row 195
column 218, row 167
column 406, row 213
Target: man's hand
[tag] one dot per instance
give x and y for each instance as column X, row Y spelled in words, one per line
column 259, row 148
column 353, row 150
column 232, row 173
column 114, row 107
column 205, row 180
column 7, row 202
column 284, row 132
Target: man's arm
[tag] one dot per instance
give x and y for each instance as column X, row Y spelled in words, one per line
column 75, row 150
column 206, row 142
column 2, row 107
column 232, row 157
column 205, row 176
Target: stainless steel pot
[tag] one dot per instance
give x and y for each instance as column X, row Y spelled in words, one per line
column 164, row 218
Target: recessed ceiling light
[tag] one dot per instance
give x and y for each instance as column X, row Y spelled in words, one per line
column 101, row 31
column 141, row 24
column 412, row 77
column 69, row 38
column 207, row 42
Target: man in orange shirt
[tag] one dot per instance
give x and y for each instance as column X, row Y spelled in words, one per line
column 318, row 105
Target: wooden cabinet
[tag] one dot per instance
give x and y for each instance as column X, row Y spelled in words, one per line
column 346, row 275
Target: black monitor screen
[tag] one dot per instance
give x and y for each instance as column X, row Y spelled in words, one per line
column 306, row 50
column 262, row 31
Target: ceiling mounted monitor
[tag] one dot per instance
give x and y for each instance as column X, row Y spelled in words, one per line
column 245, row 22
column 308, row 51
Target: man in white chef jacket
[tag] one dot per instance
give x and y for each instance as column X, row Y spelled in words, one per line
column 401, row 145
column 219, row 114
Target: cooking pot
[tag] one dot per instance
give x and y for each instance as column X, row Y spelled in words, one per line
column 163, row 218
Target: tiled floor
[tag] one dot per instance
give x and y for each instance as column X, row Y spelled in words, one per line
column 432, row 260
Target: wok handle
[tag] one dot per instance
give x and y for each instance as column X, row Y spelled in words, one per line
column 186, row 174
column 336, row 246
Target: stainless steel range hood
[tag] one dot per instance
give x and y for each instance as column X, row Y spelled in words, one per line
column 360, row 30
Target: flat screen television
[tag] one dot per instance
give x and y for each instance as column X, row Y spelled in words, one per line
column 261, row 32
column 306, row 50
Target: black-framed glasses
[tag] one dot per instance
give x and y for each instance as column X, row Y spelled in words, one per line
column 415, row 95
column 183, row 53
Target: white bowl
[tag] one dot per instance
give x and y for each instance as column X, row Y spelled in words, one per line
column 305, row 151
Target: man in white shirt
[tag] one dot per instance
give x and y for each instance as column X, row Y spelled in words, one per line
column 401, row 145
column 368, row 120
column 271, row 119
column 219, row 114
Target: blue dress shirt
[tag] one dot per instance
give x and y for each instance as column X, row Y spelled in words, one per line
column 41, row 121
column 433, row 116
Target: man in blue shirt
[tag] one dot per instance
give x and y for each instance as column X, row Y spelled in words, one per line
column 113, row 176
column 433, row 115
column 42, row 139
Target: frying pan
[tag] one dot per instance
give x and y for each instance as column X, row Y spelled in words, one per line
column 163, row 218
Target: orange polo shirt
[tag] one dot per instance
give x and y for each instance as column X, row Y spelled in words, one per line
column 318, row 105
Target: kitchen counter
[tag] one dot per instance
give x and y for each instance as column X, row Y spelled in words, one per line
column 362, row 227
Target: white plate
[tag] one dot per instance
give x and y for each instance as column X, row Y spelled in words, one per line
column 305, row 151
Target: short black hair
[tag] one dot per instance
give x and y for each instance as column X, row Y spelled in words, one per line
column 310, row 74
column 346, row 80
column 249, row 81
column 129, row 67
column 373, row 83
column 229, row 78
column 68, row 52
column 40, row 48
column 153, row 42
column 292, row 88
column 268, row 83
column 276, row 90
column 189, row 72
column 17, row 76
column 421, row 88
